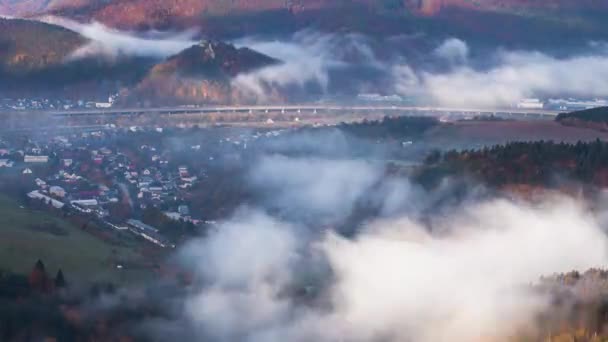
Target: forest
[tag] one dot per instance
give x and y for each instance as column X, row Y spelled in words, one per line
column 541, row 163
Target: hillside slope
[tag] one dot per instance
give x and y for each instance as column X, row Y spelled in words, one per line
column 201, row 74
column 595, row 118
column 145, row 14
column 28, row 45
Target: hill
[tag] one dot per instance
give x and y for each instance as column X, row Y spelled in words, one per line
column 201, row 74
column 596, row 118
column 27, row 46
column 35, row 61
column 354, row 14
column 28, row 235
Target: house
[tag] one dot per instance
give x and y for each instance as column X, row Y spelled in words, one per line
column 189, row 180
column 173, row 215
column 39, row 196
column 6, row 163
column 183, row 210
column 35, row 159
column 85, row 202
column 67, row 162
column 57, row 191
column 117, row 226
column 530, row 104
column 148, row 232
column 137, row 224
column 40, row 183
column 183, row 171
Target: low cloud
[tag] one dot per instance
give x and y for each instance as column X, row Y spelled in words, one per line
column 396, row 281
column 453, row 50
column 308, row 58
column 320, row 188
column 514, row 75
column 459, row 76
column 111, row 43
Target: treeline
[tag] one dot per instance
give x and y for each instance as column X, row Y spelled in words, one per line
column 543, row 163
column 597, row 115
column 390, row 127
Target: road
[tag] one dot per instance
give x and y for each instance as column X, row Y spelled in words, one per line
column 306, row 109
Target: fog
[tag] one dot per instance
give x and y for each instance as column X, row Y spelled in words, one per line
column 453, row 73
column 111, row 43
column 449, row 72
column 419, row 269
column 466, row 276
column 516, row 75
column 309, row 58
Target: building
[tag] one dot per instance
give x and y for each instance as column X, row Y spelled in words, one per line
column 530, row 104
column 39, row 196
column 573, row 104
column 148, row 232
column 137, row 224
column 85, row 202
column 6, row 163
column 35, row 159
column 183, row 210
column 103, row 105
column 117, row 226
column 57, row 191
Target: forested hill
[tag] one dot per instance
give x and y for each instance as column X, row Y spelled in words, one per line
column 596, row 118
column 531, row 163
column 27, row 45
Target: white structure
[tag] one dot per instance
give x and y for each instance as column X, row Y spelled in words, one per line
column 102, row 105
column 86, row 202
column 148, row 232
column 6, row 163
column 35, row 159
column 573, row 104
column 37, row 195
column 531, row 104
column 57, row 191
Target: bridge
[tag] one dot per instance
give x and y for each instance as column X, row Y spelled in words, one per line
column 307, row 109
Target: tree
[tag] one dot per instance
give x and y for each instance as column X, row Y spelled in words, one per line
column 60, row 282
column 38, row 279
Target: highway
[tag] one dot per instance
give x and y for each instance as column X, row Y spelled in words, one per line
column 305, row 109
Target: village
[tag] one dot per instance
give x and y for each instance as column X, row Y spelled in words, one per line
column 129, row 180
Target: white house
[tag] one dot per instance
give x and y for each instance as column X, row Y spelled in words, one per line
column 57, row 191
column 6, row 163
column 35, row 159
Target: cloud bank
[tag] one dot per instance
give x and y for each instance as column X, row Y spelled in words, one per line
column 466, row 78
column 111, row 43
column 309, row 58
column 516, row 75
column 463, row 274
column 396, row 281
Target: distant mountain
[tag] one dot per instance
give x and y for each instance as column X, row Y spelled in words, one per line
column 498, row 20
column 502, row 22
column 201, row 74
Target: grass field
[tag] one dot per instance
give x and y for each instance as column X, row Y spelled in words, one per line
column 27, row 235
